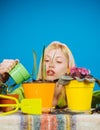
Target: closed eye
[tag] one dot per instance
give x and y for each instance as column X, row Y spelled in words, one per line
column 47, row 60
column 59, row 62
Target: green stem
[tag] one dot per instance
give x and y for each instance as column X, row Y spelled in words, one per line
column 34, row 71
column 43, row 67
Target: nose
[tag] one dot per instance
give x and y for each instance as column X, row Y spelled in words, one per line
column 51, row 65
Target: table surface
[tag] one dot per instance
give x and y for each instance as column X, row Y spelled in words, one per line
column 20, row 121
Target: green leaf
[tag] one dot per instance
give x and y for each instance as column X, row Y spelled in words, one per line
column 34, row 71
column 43, row 66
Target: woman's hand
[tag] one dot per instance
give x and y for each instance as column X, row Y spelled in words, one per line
column 57, row 92
column 5, row 67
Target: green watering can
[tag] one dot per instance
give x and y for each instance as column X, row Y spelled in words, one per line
column 28, row 106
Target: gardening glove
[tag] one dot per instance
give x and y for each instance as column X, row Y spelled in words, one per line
column 5, row 67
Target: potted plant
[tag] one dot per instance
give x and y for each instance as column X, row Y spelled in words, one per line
column 79, row 86
column 5, row 90
column 41, row 88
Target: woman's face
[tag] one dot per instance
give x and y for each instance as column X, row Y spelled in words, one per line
column 56, row 64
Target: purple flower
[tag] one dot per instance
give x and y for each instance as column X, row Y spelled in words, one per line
column 79, row 71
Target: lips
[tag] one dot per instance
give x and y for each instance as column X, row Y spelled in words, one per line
column 50, row 73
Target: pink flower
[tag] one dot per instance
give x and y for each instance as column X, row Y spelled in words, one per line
column 79, row 74
column 79, row 71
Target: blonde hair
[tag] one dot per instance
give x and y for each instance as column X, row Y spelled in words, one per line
column 64, row 48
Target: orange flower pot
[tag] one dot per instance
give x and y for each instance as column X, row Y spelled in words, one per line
column 43, row 91
column 79, row 95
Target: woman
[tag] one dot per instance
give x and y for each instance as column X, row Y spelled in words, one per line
column 57, row 57
column 57, row 61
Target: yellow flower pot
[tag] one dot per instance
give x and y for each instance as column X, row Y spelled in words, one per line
column 79, row 95
column 43, row 91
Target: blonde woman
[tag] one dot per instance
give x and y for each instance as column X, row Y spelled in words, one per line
column 57, row 61
column 57, row 57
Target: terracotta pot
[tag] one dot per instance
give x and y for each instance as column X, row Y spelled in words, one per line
column 40, row 90
column 8, row 101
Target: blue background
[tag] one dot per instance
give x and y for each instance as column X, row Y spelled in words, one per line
column 29, row 24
